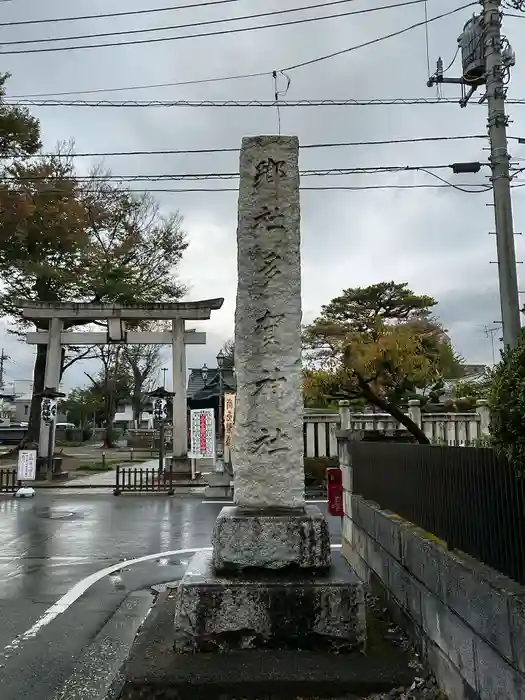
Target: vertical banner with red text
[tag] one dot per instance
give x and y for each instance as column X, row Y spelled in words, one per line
column 202, row 423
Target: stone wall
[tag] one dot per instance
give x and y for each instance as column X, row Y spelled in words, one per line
column 468, row 619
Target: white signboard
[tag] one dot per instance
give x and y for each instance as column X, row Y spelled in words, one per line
column 26, row 465
column 202, row 423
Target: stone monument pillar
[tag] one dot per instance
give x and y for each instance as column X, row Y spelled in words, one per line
column 267, row 454
column 268, row 579
column 270, row 525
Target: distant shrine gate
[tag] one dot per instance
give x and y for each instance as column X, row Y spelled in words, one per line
column 116, row 316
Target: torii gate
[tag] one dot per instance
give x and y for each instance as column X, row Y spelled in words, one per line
column 116, row 315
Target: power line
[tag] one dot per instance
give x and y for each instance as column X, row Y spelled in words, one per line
column 250, row 29
column 189, row 25
column 150, row 86
column 195, row 151
column 378, row 39
column 116, row 14
column 461, row 188
column 180, row 83
column 318, row 188
column 132, row 104
column 342, row 188
column 317, row 172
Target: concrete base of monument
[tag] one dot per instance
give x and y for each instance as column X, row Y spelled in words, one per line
column 219, row 485
column 155, row 672
column 180, row 467
column 271, row 539
column 261, row 609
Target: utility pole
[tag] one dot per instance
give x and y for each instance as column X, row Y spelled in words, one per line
column 3, row 359
column 486, row 60
column 499, row 163
column 490, row 333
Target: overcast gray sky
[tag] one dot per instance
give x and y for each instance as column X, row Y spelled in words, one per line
column 435, row 239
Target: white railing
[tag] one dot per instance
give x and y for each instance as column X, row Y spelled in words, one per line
column 452, row 429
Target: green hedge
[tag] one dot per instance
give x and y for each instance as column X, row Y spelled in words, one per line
column 507, row 406
column 315, row 468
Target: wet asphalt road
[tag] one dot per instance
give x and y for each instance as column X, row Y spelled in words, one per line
column 52, row 542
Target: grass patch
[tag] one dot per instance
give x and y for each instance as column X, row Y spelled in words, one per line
column 96, row 467
column 69, row 443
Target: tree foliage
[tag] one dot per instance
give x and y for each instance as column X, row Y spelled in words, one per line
column 19, row 131
column 142, row 363
column 228, row 350
column 110, row 386
column 87, row 240
column 68, row 239
column 507, row 406
column 83, row 406
column 320, row 390
column 378, row 344
column 126, row 375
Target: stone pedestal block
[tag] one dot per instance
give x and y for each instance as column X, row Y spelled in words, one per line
column 218, row 485
column 269, row 609
column 218, row 479
column 216, row 492
column 181, row 467
column 271, row 539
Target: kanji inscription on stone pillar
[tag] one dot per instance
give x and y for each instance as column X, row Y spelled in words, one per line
column 267, row 452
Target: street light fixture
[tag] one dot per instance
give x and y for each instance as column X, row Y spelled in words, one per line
column 160, row 413
column 221, row 359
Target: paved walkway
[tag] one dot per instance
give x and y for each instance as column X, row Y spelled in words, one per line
column 108, row 478
column 99, row 478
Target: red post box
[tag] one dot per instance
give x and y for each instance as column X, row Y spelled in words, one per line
column 334, row 478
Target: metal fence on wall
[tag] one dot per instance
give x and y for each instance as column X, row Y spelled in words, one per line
column 467, row 497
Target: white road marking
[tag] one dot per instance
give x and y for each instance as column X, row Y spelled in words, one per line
column 81, row 587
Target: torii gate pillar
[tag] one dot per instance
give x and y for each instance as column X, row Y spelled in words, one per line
column 52, row 375
column 180, row 437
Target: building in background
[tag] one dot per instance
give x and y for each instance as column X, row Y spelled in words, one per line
column 205, row 387
column 124, row 417
column 472, row 373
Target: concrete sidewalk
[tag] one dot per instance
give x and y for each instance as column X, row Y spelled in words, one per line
column 108, row 478
column 96, row 479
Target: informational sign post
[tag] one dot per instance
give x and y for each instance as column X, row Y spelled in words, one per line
column 229, row 417
column 27, row 465
column 202, row 423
